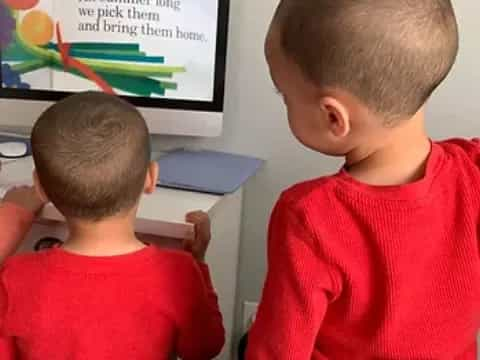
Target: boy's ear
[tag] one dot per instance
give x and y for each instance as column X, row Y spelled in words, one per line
column 151, row 178
column 339, row 121
column 39, row 188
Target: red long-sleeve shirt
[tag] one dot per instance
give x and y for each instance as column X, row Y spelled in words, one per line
column 146, row 305
column 360, row 272
column 15, row 222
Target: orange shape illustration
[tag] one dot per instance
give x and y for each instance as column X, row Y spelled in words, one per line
column 37, row 27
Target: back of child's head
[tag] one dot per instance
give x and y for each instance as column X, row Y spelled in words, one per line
column 390, row 54
column 91, row 153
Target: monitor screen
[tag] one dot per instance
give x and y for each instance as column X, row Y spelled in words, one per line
column 157, row 53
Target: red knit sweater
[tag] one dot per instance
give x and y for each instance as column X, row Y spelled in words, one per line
column 146, row 305
column 15, row 222
column 361, row 272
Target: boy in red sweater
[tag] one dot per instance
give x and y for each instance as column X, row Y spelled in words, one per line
column 104, row 294
column 379, row 261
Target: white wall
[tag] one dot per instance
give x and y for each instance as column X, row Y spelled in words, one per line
column 455, row 108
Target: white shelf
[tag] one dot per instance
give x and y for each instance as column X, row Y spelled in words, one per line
column 161, row 213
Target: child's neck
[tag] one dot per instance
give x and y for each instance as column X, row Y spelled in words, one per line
column 399, row 158
column 115, row 236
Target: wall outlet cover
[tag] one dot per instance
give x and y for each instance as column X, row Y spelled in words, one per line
column 249, row 312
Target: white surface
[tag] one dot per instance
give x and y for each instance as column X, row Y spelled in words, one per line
column 22, row 113
column 178, row 122
column 161, row 213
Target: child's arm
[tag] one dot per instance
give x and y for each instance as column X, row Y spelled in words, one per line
column 7, row 344
column 298, row 289
column 17, row 212
column 203, row 336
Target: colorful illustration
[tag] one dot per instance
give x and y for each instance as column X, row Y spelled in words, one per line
column 30, row 40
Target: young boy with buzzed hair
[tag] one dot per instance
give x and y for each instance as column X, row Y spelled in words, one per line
column 104, row 294
column 381, row 260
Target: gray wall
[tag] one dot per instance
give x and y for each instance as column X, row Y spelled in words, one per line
column 255, row 123
column 455, row 108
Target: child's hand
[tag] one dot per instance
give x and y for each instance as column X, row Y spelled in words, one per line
column 199, row 245
column 25, row 197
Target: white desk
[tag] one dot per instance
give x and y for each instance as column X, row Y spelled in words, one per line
column 162, row 214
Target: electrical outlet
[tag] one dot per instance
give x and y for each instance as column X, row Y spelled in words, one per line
column 249, row 312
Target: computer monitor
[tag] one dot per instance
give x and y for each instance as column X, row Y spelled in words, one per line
column 167, row 57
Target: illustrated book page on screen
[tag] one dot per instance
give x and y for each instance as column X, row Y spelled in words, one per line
column 145, row 48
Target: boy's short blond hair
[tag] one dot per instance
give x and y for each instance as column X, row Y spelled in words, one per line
column 391, row 54
column 91, row 153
